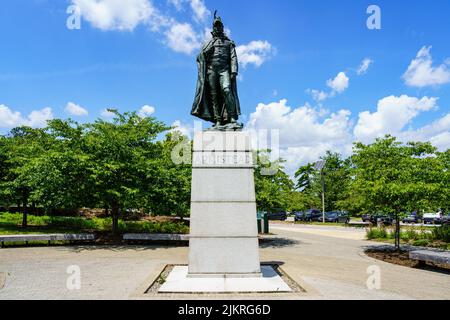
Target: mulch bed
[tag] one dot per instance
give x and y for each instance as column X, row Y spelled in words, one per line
column 392, row 256
column 402, row 258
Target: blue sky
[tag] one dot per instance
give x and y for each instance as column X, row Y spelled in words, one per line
column 299, row 66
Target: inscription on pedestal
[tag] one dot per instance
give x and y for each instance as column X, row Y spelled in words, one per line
column 218, row 159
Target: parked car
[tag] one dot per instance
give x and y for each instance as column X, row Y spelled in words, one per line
column 374, row 218
column 298, row 216
column 446, row 219
column 344, row 217
column 277, row 215
column 433, row 218
column 312, row 215
column 335, row 217
column 412, row 218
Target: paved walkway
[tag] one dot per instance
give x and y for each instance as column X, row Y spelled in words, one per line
column 329, row 264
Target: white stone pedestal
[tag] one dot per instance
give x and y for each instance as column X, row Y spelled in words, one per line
column 223, row 244
column 224, row 234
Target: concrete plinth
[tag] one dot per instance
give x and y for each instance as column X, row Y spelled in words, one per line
column 179, row 282
column 224, row 234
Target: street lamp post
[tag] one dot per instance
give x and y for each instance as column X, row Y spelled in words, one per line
column 319, row 167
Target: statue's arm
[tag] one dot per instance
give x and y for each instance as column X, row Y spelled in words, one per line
column 234, row 60
column 208, row 46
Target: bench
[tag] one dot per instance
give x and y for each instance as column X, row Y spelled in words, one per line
column 46, row 237
column 155, row 237
column 436, row 257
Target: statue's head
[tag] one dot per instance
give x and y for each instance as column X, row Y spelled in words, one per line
column 217, row 25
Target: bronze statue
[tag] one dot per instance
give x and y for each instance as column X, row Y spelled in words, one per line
column 216, row 98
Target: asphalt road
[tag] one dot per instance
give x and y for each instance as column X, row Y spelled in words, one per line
column 328, row 262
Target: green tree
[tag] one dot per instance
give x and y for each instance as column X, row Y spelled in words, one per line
column 4, row 169
column 336, row 175
column 62, row 175
column 304, row 176
column 170, row 192
column 301, row 201
column 123, row 160
column 272, row 184
column 22, row 149
column 394, row 178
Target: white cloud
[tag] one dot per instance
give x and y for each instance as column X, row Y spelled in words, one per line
column 146, row 111
column 198, row 7
column 75, row 110
column 117, row 14
column 9, row 118
column 181, row 37
column 39, row 118
column 421, row 72
column 200, row 10
column 184, row 129
column 318, row 95
column 364, row 67
column 106, row 114
column 441, row 140
column 392, row 115
column 437, row 132
column 302, row 125
column 305, row 134
column 178, row 4
column 255, row 52
column 340, row 83
column 36, row 119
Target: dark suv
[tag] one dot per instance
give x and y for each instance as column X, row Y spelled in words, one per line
column 335, row 217
column 299, row 215
column 412, row 218
column 373, row 218
column 277, row 215
column 312, row 215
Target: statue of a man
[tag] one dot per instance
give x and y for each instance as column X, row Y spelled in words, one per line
column 216, row 98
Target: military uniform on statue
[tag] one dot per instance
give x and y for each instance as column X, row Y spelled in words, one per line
column 216, row 99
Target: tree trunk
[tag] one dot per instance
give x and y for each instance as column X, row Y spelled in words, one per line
column 25, row 213
column 115, row 219
column 397, row 232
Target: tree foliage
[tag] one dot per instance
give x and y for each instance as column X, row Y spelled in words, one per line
column 127, row 165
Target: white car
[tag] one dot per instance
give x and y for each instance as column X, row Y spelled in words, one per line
column 432, row 218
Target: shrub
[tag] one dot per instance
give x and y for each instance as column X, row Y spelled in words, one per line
column 71, row 223
column 95, row 224
column 442, row 233
column 376, row 233
column 421, row 243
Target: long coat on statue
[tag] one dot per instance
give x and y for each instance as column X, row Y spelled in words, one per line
column 203, row 107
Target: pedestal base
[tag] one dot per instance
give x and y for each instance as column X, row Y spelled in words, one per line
column 178, row 281
column 223, row 240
